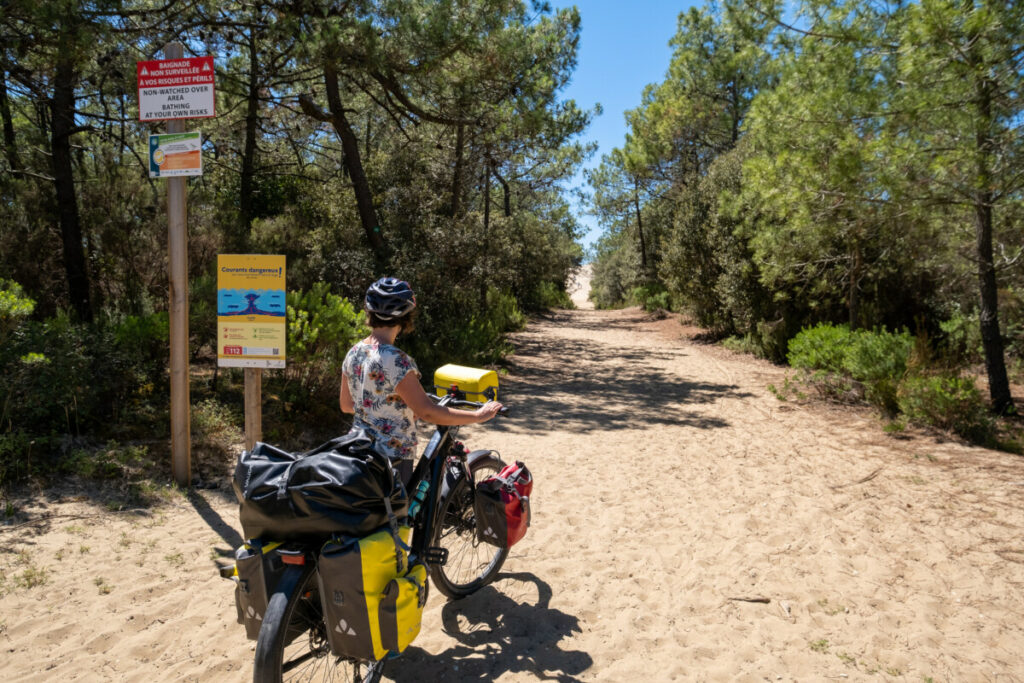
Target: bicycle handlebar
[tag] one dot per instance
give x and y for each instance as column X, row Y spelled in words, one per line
column 450, row 400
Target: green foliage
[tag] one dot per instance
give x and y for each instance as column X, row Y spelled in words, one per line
column 321, row 328
column 823, row 347
column 113, row 461
column 16, row 454
column 475, row 337
column 485, row 331
column 616, row 272
column 58, row 377
column 791, row 176
column 652, row 297
column 216, row 426
column 548, row 295
column 838, row 362
column 948, row 402
column 832, row 356
column 456, row 172
column 961, row 338
column 14, row 307
column 144, row 342
column 202, row 314
column 744, row 344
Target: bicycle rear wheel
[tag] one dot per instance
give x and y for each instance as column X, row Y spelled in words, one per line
column 471, row 564
column 292, row 644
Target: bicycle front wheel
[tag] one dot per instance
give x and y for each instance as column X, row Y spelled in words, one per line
column 471, row 564
column 292, row 644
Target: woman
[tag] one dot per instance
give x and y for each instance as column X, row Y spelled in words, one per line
column 380, row 383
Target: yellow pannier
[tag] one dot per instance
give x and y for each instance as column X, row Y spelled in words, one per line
column 372, row 599
column 478, row 385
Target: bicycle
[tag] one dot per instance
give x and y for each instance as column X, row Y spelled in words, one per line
column 292, row 643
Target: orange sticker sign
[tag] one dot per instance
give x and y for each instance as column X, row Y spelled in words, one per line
column 175, row 154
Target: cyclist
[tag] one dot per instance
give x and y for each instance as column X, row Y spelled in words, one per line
column 380, row 382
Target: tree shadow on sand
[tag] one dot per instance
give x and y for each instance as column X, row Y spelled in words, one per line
column 575, row 388
column 505, row 627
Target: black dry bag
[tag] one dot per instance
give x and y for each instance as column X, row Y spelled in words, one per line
column 342, row 487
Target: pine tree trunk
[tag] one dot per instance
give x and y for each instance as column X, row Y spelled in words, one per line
column 488, row 169
column 991, row 337
column 10, row 146
column 460, row 144
column 640, row 230
column 248, row 172
column 354, row 165
column 62, row 108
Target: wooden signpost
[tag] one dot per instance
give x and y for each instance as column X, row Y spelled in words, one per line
column 173, row 89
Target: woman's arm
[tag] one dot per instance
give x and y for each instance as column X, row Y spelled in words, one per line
column 412, row 393
column 345, row 398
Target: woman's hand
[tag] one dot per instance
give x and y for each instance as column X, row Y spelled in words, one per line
column 412, row 393
column 487, row 411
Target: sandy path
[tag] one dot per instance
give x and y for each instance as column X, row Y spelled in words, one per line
column 669, row 482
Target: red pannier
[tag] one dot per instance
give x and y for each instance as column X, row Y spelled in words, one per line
column 502, row 506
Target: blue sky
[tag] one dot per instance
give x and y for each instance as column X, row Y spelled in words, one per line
column 623, row 47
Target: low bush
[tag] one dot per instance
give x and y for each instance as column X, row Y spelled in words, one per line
column 467, row 334
column 846, row 365
column 652, row 297
column 216, row 426
column 874, row 364
column 321, row 328
column 548, row 295
column 820, row 348
column 60, row 379
column 948, row 402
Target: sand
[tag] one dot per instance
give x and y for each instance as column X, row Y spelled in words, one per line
column 688, row 526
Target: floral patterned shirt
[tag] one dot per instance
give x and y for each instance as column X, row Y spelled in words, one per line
column 374, row 371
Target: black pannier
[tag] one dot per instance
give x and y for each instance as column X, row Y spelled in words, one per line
column 341, row 487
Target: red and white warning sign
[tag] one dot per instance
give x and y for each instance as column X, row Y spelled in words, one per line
column 176, row 89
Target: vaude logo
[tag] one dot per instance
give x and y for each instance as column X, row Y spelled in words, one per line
column 344, row 628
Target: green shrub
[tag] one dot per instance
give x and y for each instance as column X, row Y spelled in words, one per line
column 466, row 334
column 59, row 378
column 216, row 425
column 14, row 307
column 820, row 348
column 16, row 450
column 844, row 364
column 482, row 338
column 548, row 295
column 771, row 340
column 202, row 314
column 144, row 342
column 948, row 402
column 321, row 328
column 878, row 360
column 742, row 344
column 112, row 461
column 961, row 338
column 652, row 297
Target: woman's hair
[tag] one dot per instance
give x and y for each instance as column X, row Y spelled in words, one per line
column 406, row 322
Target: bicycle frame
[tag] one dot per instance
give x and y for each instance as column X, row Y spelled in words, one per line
column 436, row 463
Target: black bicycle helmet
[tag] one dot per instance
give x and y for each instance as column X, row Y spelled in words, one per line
column 390, row 298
